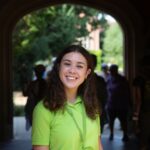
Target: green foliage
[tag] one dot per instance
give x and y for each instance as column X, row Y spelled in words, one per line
column 104, row 27
column 44, row 33
column 113, row 46
column 98, row 54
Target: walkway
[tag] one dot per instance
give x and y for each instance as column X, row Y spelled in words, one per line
column 22, row 138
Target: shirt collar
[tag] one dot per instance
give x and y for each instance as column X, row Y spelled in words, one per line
column 78, row 100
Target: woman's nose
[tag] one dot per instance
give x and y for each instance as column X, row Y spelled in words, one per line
column 72, row 69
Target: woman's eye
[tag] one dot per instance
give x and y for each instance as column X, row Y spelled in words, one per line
column 79, row 66
column 67, row 64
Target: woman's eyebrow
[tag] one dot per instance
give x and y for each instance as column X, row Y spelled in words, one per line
column 66, row 60
column 79, row 62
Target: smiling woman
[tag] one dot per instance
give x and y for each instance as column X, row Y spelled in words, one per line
column 70, row 100
column 73, row 72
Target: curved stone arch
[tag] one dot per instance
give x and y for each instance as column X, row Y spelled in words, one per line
column 12, row 11
column 122, row 15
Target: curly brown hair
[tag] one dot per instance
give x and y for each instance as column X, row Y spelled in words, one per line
column 56, row 98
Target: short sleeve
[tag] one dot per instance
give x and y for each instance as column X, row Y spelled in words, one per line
column 41, row 125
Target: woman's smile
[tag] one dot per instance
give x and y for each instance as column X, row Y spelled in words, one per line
column 71, row 77
column 73, row 70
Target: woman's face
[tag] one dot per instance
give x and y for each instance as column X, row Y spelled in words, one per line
column 73, row 70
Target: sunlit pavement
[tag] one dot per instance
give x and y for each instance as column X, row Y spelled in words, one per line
column 22, row 138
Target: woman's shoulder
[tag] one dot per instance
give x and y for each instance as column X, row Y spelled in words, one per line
column 40, row 105
column 42, row 114
column 42, row 110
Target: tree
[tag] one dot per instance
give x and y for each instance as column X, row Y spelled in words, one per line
column 113, row 45
column 104, row 27
column 43, row 33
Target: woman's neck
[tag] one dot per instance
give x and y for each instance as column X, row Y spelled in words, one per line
column 71, row 96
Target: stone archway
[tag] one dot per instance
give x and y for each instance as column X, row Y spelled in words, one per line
column 13, row 10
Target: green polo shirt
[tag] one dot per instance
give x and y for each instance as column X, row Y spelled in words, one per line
column 59, row 131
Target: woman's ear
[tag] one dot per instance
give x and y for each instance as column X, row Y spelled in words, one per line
column 87, row 73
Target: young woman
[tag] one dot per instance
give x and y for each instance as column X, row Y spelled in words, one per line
column 68, row 117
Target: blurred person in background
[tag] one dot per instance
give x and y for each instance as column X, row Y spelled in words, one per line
column 101, row 94
column 118, row 102
column 35, row 91
column 105, row 71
